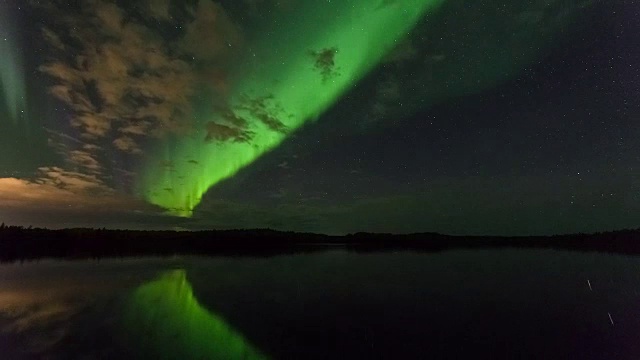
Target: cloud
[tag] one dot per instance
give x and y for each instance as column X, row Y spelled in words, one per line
column 265, row 109
column 168, row 165
column 403, row 51
column 127, row 144
column 134, row 76
column 386, row 98
column 124, row 75
column 325, row 64
column 92, row 125
column 55, row 188
column 53, row 39
column 63, row 136
column 127, row 83
column 231, row 117
column 138, row 128
column 120, row 76
column 77, row 153
column 211, row 36
column 71, row 181
column 86, row 160
column 91, row 147
column 57, row 198
column 221, row 132
column 159, row 9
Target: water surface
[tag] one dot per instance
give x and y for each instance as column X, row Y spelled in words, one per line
column 526, row 304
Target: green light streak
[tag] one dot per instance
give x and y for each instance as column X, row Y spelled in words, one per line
column 171, row 324
column 300, row 68
column 12, row 80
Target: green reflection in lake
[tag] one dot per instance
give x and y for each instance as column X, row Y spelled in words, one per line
column 169, row 322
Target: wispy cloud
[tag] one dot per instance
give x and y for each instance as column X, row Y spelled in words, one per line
column 324, row 63
column 386, row 99
column 127, row 144
column 77, row 153
column 159, row 9
column 219, row 132
column 129, row 76
column 123, row 76
column 267, row 110
column 122, row 73
column 55, row 188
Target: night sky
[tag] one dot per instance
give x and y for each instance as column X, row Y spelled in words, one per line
column 505, row 117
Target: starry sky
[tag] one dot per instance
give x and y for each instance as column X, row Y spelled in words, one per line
column 496, row 117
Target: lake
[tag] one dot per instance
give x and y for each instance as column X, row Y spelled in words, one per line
column 480, row 304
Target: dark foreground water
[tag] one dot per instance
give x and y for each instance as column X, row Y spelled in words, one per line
column 497, row 304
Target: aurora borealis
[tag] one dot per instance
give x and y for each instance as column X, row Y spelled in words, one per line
column 296, row 79
column 323, row 116
column 12, row 79
column 175, row 325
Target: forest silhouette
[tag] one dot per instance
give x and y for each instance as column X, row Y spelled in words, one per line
column 24, row 243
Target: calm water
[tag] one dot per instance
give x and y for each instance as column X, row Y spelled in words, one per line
column 499, row 304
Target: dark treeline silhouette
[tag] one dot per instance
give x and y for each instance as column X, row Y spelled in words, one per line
column 20, row 243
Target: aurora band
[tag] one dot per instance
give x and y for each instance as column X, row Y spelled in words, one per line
column 298, row 68
column 12, row 79
column 167, row 322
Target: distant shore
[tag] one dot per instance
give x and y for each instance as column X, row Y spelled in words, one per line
column 20, row 243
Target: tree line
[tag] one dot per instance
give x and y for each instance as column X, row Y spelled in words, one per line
column 24, row 243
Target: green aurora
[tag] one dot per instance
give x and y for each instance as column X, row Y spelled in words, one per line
column 300, row 66
column 305, row 64
column 12, row 80
column 175, row 326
